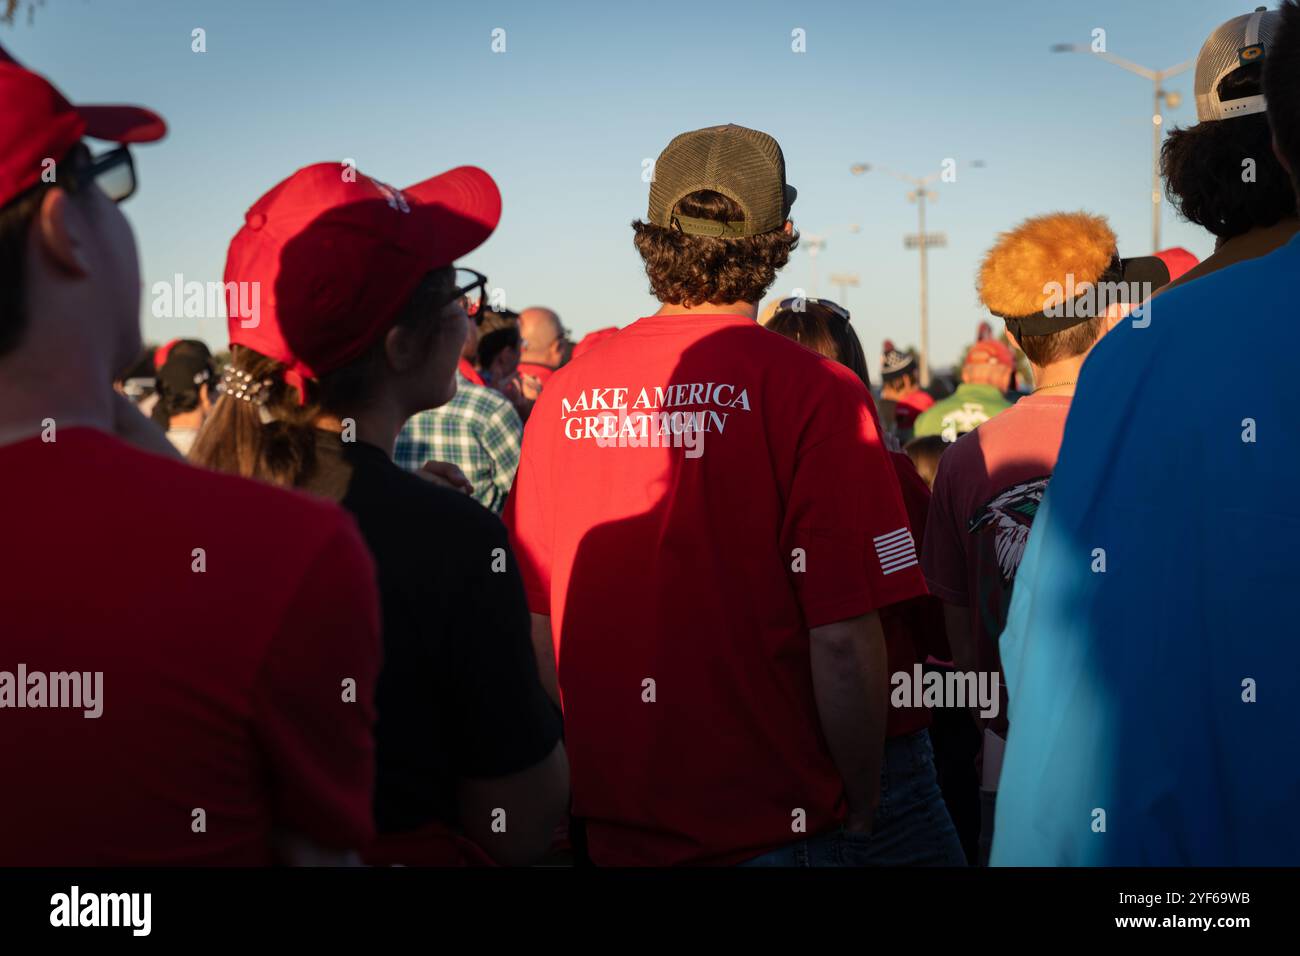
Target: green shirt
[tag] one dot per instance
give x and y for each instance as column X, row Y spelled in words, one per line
column 959, row 413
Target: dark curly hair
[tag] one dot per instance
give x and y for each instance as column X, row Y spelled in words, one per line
column 692, row 270
column 1203, row 172
column 1282, row 83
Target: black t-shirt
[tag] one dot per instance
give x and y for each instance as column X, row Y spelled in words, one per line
column 459, row 695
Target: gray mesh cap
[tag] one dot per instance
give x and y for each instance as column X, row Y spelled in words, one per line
column 1240, row 41
column 743, row 164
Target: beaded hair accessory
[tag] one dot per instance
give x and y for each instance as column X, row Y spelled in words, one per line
column 240, row 385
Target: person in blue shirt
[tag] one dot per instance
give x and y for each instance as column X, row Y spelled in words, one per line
column 1151, row 654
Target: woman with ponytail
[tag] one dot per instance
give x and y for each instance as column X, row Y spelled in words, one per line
column 346, row 318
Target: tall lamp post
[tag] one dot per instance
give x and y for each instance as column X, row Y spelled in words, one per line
column 1161, row 96
column 922, row 241
column 844, row 280
column 814, row 244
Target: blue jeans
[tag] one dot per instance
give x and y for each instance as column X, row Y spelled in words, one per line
column 911, row 826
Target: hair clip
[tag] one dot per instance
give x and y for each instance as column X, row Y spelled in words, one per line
column 241, row 386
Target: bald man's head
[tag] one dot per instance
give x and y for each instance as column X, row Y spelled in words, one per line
column 543, row 336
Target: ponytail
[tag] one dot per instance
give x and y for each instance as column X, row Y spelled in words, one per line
column 258, row 428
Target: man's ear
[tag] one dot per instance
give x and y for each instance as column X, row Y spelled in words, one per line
column 60, row 234
column 1014, row 344
column 788, row 228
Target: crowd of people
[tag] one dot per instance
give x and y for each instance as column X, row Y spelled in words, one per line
column 408, row 578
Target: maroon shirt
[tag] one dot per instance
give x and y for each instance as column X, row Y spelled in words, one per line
column 987, row 491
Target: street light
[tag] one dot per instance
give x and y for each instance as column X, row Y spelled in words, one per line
column 922, row 241
column 815, row 244
column 844, row 280
column 1161, row 96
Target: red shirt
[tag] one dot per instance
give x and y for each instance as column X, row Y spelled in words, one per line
column 221, row 690
column 693, row 579
column 986, row 493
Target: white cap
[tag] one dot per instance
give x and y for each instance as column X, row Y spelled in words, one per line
column 1240, row 41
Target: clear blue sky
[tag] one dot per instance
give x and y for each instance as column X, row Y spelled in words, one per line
column 585, row 91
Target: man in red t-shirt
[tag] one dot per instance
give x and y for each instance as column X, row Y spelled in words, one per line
column 188, row 660
column 991, row 481
column 700, row 555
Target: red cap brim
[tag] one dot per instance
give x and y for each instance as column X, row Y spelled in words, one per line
column 122, row 124
column 117, row 124
column 462, row 207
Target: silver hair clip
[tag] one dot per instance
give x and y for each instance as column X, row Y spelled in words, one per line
column 241, row 386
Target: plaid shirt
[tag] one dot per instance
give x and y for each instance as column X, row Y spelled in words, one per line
column 479, row 431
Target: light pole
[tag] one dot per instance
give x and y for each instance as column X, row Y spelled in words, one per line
column 922, row 241
column 815, row 244
column 844, row 280
column 1160, row 96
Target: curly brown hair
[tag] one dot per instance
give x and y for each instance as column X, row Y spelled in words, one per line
column 692, row 270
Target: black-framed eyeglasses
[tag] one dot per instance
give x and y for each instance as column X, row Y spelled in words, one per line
column 801, row 303
column 113, row 172
column 471, row 289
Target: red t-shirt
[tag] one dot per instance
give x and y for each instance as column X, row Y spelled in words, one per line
column 682, row 581
column 221, row 690
column 986, row 493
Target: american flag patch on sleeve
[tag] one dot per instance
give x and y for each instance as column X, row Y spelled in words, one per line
column 895, row 550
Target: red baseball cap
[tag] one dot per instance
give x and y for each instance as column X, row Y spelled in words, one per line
column 1177, row 261
column 38, row 123
column 161, row 352
column 331, row 256
column 990, row 352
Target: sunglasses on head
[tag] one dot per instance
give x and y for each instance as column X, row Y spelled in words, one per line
column 801, row 304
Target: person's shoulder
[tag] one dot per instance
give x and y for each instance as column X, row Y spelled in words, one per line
column 174, row 489
column 422, row 506
column 1263, row 283
column 967, row 452
column 801, row 367
column 224, row 492
column 484, row 401
column 480, row 393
